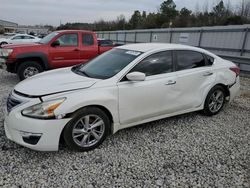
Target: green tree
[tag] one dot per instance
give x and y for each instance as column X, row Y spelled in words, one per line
column 220, row 13
column 121, row 22
column 184, row 18
column 167, row 12
column 151, row 21
column 136, row 20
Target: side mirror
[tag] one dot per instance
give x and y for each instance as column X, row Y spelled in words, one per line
column 136, row 76
column 55, row 43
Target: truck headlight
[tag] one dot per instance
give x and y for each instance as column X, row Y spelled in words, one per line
column 44, row 110
column 5, row 52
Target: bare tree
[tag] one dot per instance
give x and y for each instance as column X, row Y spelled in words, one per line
column 197, row 8
column 244, row 8
column 205, row 7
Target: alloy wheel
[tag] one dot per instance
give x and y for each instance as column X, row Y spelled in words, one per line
column 88, row 130
column 216, row 101
column 30, row 71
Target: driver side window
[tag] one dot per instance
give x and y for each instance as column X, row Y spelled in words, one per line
column 158, row 63
column 68, row 40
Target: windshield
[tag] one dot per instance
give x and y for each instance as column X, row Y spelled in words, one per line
column 108, row 64
column 47, row 38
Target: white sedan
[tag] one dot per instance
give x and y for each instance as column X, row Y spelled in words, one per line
column 124, row 87
column 19, row 39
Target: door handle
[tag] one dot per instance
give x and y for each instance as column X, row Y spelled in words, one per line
column 76, row 50
column 208, row 74
column 171, row 82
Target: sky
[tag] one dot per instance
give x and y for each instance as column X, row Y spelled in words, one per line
column 36, row 12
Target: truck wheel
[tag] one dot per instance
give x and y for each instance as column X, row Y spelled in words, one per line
column 28, row 69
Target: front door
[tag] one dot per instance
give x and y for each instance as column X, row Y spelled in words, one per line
column 67, row 53
column 150, row 98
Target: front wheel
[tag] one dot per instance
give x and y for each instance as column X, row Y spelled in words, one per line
column 28, row 69
column 215, row 101
column 87, row 130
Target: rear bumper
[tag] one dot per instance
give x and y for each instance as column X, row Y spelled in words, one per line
column 234, row 89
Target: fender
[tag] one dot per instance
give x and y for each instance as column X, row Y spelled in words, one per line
column 40, row 55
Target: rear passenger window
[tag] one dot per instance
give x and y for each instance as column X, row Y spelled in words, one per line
column 158, row 63
column 189, row 60
column 28, row 37
column 210, row 60
column 87, row 39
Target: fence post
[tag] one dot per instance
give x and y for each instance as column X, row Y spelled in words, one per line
column 109, row 35
column 135, row 37
column 170, row 38
column 102, row 35
column 151, row 35
column 244, row 42
column 116, row 36
column 125, row 37
column 200, row 38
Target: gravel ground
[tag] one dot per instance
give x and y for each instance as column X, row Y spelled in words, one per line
column 190, row 150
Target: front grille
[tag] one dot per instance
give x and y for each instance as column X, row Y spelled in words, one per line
column 12, row 102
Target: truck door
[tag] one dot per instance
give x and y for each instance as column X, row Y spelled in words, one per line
column 67, row 51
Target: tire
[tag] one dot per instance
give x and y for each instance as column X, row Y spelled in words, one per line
column 215, row 101
column 28, row 69
column 80, row 134
column 3, row 43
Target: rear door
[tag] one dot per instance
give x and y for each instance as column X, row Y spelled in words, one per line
column 89, row 47
column 150, row 98
column 67, row 53
column 194, row 77
column 28, row 39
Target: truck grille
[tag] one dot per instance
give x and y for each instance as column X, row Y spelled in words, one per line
column 12, row 102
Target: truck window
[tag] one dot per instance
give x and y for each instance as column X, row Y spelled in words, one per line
column 48, row 38
column 87, row 39
column 69, row 39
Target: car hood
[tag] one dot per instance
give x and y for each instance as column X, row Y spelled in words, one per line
column 52, row 82
column 32, row 46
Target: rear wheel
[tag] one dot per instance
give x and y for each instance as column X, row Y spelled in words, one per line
column 215, row 101
column 87, row 130
column 28, row 69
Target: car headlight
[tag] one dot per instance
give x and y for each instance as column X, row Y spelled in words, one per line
column 44, row 110
column 5, row 52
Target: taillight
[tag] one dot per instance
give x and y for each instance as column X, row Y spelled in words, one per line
column 235, row 69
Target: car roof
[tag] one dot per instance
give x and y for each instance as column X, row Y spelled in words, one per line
column 74, row 30
column 22, row 35
column 146, row 47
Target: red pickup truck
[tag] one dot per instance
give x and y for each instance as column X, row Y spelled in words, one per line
column 56, row 50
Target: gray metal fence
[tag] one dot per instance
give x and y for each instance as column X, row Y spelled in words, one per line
column 229, row 42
